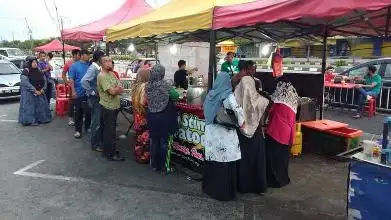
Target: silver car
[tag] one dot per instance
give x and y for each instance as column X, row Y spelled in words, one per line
column 9, row 80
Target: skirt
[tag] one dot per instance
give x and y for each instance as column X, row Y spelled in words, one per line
column 277, row 163
column 220, row 180
column 252, row 166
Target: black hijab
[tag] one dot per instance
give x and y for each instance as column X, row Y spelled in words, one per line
column 35, row 75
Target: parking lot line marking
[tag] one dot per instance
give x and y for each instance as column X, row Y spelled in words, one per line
column 24, row 169
column 48, row 176
column 8, row 120
column 3, row 115
column 23, row 172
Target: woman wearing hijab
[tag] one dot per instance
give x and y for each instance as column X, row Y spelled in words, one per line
column 139, row 104
column 280, row 134
column 252, row 166
column 34, row 108
column 222, row 144
column 161, row 117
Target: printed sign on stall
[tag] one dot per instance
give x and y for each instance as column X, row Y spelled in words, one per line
column 189, row 142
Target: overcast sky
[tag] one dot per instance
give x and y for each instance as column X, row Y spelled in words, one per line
column 75, row 13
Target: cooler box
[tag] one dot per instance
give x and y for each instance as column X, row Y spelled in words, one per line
column 329, row 138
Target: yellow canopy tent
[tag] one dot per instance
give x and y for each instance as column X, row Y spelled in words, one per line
column 175, row 16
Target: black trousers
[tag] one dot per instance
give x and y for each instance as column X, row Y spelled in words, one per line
column 109, row 123
column 71, row 108
column 82, row 111
column 49, row 90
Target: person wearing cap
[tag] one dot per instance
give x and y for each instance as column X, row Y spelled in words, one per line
column 89, row 83
column 370, row 89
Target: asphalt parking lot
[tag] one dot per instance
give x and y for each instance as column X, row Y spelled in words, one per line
column 47, row 174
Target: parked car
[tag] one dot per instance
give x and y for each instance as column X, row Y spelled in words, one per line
column 12, row 52
column 383, row 67
column 9, row 80
column 19, row 62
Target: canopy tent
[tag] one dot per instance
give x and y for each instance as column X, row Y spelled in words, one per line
column 260, row 19
column 55, row 45
column 287, row 19
column 271, row 20
column 131, row 9
column 175, row 16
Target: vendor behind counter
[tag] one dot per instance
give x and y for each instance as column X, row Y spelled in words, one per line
column 180, row 76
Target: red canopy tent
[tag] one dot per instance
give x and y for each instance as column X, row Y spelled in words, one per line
column 131, row 9
column 284, row 17
column 287, row 19
column 55, row 45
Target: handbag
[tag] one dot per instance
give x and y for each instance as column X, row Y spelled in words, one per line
column 226, row 117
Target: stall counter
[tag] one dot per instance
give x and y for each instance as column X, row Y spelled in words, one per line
column 189, row 141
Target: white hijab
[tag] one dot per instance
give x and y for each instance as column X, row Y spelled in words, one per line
column 253, row 104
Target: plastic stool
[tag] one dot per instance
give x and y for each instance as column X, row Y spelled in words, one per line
column 370, row 107
column 60, row 90
column 61, row 106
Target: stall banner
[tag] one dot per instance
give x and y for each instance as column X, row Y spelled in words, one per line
column 189, row 141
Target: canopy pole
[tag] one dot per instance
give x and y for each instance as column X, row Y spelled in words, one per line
column 107, row 48
column 324, row 58
column 388, row 22
column 212, row 59
column 62, row 40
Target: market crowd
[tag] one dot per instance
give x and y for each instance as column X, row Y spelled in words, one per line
column 248, row 132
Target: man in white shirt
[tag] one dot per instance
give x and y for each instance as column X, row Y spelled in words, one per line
column 53, row 64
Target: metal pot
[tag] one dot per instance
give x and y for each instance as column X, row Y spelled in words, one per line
column 196, row 95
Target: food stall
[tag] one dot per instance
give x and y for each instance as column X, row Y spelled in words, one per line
column 216, row 21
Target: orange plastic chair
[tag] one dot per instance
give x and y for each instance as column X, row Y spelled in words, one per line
column 370, row 107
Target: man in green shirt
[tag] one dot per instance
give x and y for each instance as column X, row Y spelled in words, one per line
column 370, row 89
column 109, row 89
column 230, row 66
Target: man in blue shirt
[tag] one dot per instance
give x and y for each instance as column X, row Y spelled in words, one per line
column 88, row 82
column 82, row 111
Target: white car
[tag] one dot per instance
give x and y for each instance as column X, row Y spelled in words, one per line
column 9, row 80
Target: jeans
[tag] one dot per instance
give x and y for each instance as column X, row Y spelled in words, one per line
column 158, row 152
column 82, row 112
column 96, row 113
column 109, row 122
column 363, row 97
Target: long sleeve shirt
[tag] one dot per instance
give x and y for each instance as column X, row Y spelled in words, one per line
column 89, row 81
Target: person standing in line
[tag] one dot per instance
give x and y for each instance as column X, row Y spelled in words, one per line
column 44, row 66
column 280, row 134
column 222, row 149
column 140, row 125
column 88, row 82
column 83, row 112
column 110, row 90
column 65, row 71
column 161, row 117
column 252, row 166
